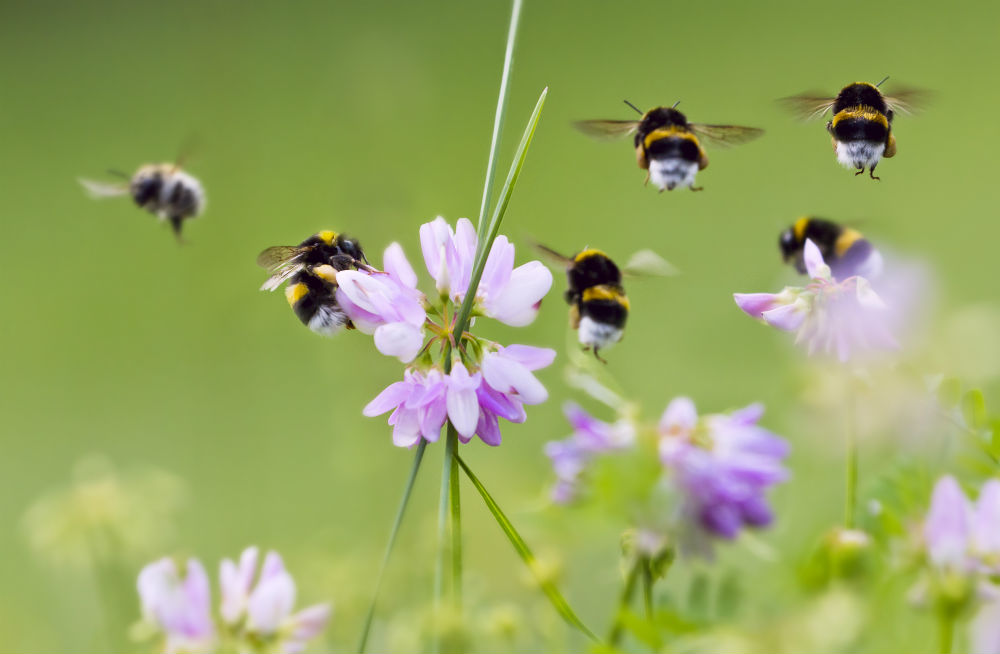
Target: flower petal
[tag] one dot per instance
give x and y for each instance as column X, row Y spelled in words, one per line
column 786, row 318
column 680, row 417
column 393, row 395
column 507, row 375
column 816, row 268
column 518, row 303
column 399, row 339
column 947, row 526
column 532, row 358
column 272, row 600
column 396, row 264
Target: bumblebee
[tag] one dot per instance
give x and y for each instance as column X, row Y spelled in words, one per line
column 861, row 128
column 667, row 146
column 844, row 249
column 164, row 190
column 311, row 268
column 598, row 305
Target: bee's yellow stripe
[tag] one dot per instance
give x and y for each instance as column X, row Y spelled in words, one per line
column 846, row 239
column 667, row 132
column 295, row 292
column 588, row 253
column 866, row 113
column 605, row 292
column 800, row 228
column 326, row 272
column 327, row 236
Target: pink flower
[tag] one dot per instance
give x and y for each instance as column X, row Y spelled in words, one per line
column 960, row 536
column 387, row 305
column 835, row 317
column 508, row 294
column 473, row 402
column 180, row 608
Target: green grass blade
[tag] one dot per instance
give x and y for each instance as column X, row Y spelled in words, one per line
column 498, row 120
column 555, row 597
column 417, row 458
column 483, row 248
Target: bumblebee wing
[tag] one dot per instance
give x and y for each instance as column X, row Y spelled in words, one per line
column 607, row 129
column 279, row 256
column 726, row 134
column 646, row 263
column 280, row 277
column 99, row 190
column 553, row 256
column 907, row 100
column 808, row 105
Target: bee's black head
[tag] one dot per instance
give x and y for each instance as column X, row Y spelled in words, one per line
column 788, row 244
column 146, row 188
column 351, row 248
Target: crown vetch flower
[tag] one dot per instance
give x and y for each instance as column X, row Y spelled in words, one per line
column 250, row 612
column 386, row 304
column 959, row 536
column 178, row 607
column 590, row 437
column 835, row 317
column 508, row 294
column 722, row 465
column 474, row 402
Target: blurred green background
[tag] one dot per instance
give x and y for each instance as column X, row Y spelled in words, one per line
column 371, row 118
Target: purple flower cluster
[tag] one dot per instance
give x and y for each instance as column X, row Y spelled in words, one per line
column 487, row 381
column 829, row 316
column 723, row 466
column 180, row 608
column 720, row 467
column 590, row 437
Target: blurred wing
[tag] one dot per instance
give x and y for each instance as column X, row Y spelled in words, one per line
column 907, row 100
column 553, row 256
column 279, row 256
column 99, row 190
column 646, row 263
column 279, row 277
column 808, row 106
column 607, row 129
column 188, row 149
column 726, row 134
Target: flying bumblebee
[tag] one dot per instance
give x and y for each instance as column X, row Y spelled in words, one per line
column 599, row 307
column 844, row 249
column 861, row 128
column 310, row 268
column 667, row 146
column 164, row 190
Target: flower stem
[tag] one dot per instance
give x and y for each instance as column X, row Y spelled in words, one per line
column 456, row 519
column 946, row 620
column 366, row 628
column 615, row 634
column 851, row 496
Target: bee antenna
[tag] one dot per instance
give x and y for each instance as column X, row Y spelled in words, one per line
column 637, row 109
column 880, row 83
column 117, row 173
column 674, row 106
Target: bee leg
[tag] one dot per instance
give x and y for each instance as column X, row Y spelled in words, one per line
column 871, row 173
column 697, row 188
column 599, row 357
column 861, row 171
column 175, row 223
column 645, row 182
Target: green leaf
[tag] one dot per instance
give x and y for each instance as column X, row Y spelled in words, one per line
column 403, row 503
column 949, row 392
column 483, row 248
column 974, row 409
column 551, row 592
column 498, row 119
column 994, row 444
